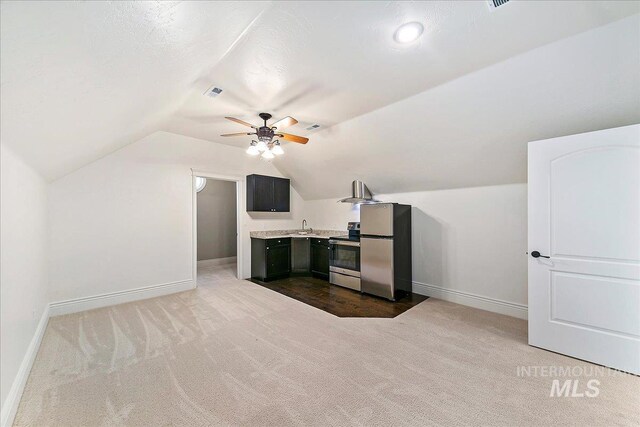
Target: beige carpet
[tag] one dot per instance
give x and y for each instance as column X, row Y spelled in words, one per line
column 235, row 353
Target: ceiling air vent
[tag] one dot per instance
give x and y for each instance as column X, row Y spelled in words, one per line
column 496, row 3
column 312, row 127
column 212, row 92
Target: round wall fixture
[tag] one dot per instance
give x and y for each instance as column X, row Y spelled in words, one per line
column 200, row 183
column 408, row 33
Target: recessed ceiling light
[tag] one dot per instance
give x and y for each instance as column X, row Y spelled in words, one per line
column 409, row 32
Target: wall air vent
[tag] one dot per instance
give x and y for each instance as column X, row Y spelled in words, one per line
column 212, row 92
column 312, row 127
column 496, row 3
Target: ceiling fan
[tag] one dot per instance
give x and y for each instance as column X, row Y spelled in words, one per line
column 266, row 134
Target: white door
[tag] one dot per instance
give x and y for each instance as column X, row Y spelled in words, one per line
column 584, row 213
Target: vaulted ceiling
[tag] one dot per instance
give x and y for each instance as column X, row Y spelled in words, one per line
column 455, row 109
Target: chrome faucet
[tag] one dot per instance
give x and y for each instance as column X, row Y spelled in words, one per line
column 304, row 223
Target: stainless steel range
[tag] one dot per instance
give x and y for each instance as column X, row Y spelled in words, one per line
column 344, row 260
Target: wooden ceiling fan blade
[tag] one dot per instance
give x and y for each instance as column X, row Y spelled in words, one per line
column 293, row 138
column 284, row 123
column 242, row 122
column 237, row 134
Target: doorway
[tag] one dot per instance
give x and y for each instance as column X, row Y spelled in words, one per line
column 216, row 224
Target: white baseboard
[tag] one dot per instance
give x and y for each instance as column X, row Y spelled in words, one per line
column 472, row 300
column 218, row 261
column 121, row 297
column 10, row 404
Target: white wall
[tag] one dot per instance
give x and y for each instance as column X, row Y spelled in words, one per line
column 469, row 244
column 125, row 221
column 23, row 276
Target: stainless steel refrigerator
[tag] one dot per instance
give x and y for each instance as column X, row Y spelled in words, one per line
column 385, row 249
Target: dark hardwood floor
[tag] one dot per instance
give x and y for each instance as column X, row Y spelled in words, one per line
column 340, row 301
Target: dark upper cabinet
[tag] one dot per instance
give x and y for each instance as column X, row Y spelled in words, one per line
column 281, row 194
column 259, row 193
column 268, row 194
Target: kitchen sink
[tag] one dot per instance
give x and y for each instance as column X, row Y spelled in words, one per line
column 303, row 234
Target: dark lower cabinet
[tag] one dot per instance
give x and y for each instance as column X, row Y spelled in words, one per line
column 300, row 248
column 320, row 252
column 277, row 258
column 270, row 258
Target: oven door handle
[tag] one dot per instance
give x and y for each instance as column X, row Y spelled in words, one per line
column 344, row 243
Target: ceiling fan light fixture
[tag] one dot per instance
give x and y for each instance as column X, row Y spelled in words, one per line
column 268, row 155
column 277, row 149
column 253, row 150
column 261, row 146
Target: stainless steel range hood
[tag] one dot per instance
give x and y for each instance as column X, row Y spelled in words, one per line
column 359, row 194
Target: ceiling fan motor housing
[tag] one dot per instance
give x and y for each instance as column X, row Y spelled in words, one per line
column 265, row 133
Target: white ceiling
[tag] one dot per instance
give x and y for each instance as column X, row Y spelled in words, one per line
column 80, row 80
column 474, row 130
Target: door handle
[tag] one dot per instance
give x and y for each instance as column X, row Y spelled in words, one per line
column 537, row 254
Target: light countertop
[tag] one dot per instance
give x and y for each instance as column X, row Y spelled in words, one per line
column 281, row 234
